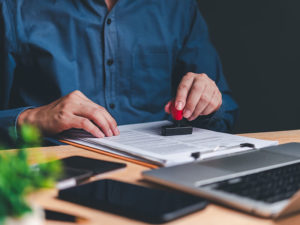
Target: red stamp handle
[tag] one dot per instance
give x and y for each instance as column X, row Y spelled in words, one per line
column 177, row 114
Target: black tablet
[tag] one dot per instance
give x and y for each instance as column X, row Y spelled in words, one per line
column 133, row 201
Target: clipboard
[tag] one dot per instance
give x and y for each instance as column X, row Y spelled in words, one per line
column 149, row 165
column 143, row 144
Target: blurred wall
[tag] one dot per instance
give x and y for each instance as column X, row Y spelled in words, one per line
column 259, row 45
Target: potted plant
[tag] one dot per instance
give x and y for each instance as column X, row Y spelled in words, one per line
column 18, row 179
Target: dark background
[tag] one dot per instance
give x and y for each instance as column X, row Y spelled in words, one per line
column 259, row 45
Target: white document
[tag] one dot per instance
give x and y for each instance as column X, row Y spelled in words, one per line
column 145, row 142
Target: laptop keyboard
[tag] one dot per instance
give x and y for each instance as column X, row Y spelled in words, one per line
column 269, row 186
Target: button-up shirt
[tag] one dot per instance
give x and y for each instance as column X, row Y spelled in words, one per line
column 129, row 60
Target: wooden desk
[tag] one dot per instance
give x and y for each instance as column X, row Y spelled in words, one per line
column 212, row 215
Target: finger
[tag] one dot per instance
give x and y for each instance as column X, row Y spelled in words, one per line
column 74, row 96
column 213, row 106
column 193, row 98
column 167, row 107
column 97, row 116
column 109, row 126
column 79, row 94
column 81, row 98
column 183, row 91
column 112, row 122
column 101, row 121
column 196, row 112
column 221, row 100
column 205, row 100
column 85, row 124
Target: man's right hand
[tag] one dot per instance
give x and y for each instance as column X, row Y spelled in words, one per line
column 72, row 111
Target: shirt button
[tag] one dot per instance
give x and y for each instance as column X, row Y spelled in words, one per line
column 110, row 62
column 108, row 21
column 112, row 105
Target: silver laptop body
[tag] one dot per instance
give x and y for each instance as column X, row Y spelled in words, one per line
column 200, row 177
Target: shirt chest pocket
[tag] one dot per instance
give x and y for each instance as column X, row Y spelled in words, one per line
column 151, row 80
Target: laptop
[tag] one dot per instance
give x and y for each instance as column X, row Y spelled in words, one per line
column 263, row 182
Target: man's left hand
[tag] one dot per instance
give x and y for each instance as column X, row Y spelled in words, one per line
column 197, row 95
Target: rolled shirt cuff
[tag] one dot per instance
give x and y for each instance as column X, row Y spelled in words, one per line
column 9, row 119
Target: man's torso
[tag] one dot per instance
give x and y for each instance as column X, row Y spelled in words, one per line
column 122, row 59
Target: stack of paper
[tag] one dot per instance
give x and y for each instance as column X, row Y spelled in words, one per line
column 144, row 142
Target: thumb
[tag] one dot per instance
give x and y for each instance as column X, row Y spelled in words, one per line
column 167, row 107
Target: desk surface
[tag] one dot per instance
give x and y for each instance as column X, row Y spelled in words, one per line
column 213, row 214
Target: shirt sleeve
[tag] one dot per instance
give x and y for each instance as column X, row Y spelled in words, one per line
column 8, row 50
column 199, row 56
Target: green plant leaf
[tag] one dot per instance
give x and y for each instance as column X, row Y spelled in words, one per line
column 18, row 178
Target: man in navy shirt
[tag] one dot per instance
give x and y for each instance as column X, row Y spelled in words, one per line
column 95, row 64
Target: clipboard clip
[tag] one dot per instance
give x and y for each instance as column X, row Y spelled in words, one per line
column 242, row 145
column 196, row 155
